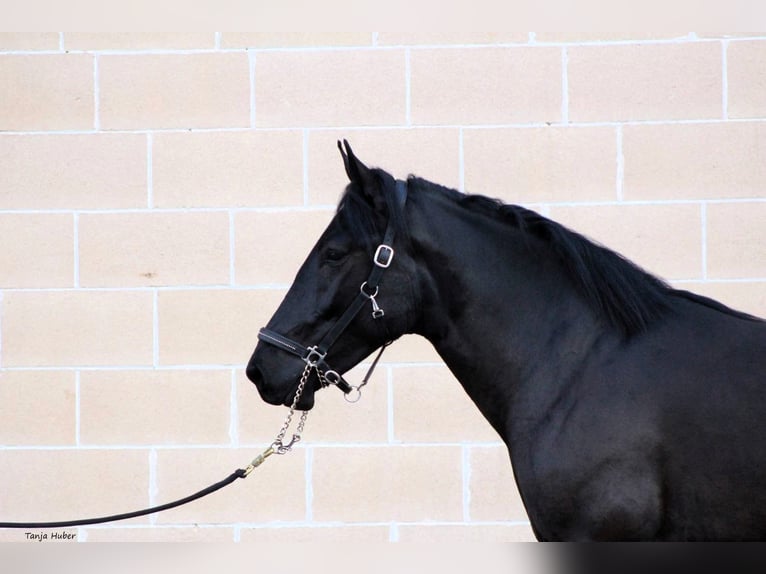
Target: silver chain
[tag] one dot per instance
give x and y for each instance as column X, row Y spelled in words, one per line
column 279, row 446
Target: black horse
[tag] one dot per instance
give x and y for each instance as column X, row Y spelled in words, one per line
column 631, row 410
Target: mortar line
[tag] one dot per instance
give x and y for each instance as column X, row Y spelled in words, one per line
column 217, row 42
column 61, row 41
column 531, row 41
column 393, row 532
column 484, row 126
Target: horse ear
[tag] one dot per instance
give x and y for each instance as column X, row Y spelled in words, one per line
column 357, row 172
column 363, row 177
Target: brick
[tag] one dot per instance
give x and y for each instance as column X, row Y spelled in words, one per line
column 29, row 41
column 746, row 82
column 75, row 328
column 451, row 415
column 663, row 239
column 294, row 39
column 462, row 533
column 446, row 38
column 275, row 490
column 223, row 169
column 363, row 422
column 736, row 240
column 160, row 534
column 645, row 82
column 313, row 534
column 431, row 153
column 212, row 327
column 38, row 250
column 154, row 407
column 174, row 91
column 73, row 171
column 46, row 92
column 485, row 86
column 270, row 247
column 150, row 249
column 330, row 88
column 493, row 492
column 29, row 397
column 387, row 483
column 699, row 161
column 86, row 482
column 747, row 296
column 138, row 40
column 541, row 164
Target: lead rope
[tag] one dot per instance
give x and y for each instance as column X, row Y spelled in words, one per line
column 278, row 446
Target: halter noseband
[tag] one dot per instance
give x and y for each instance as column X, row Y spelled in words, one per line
column 314, row 356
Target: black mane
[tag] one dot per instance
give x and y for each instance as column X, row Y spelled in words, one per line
column 622, row 293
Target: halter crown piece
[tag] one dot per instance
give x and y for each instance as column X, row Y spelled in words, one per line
column 314, row 356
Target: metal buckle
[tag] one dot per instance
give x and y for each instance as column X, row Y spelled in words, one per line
column 384, row 255
column 314, row 357
column 332, row 377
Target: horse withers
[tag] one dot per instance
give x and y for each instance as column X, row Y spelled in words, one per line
column 631, row 410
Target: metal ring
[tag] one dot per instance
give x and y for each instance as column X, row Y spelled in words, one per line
column 361, row 288
column 356, row 397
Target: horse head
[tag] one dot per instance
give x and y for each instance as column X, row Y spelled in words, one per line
column 352, row 294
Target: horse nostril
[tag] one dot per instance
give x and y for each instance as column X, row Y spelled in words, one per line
column 254, row 373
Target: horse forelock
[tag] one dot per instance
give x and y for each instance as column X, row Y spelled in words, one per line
column 358, row 216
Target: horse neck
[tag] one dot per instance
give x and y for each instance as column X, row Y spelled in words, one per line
column 496, row 305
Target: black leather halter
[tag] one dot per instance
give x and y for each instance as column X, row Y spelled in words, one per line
column 314, row 356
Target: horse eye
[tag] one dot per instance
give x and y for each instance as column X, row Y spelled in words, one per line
column 335, row 255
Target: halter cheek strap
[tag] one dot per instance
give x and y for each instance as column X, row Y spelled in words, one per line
column 314, row 356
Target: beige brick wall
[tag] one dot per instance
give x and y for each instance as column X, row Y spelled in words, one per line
column 144, row 175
